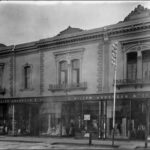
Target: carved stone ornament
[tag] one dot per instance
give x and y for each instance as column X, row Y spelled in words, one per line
column 69, row 30
column 138, row 13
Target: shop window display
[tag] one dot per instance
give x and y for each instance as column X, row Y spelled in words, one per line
column 50, row 119
column 138, row 119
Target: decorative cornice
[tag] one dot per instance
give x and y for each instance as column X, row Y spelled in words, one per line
column 80, row 37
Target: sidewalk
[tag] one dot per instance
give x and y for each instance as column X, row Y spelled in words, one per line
column 73, row 141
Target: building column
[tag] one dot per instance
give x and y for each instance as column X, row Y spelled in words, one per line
column 139, row 65
column 29, row 118
column 106, row 66
column 99, row 120
column 13, row 119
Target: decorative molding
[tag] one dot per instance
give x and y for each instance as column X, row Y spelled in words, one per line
column 70, row 51
column 138, row 13
column 69, row 55
column 69, row 30
column 85, row 36
column 137, row 47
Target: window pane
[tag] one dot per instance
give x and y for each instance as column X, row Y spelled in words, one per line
column 74, row 76
column 131, row 71
column 63, row 65
column 75, row 71
column 75, row 64
column 1, row 75
column 146, row 65
column 145, row 71
column 132, row 65
column 27, row 71
column 63, row 78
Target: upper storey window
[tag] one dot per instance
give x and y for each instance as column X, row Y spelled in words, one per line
column 1, row 74
column 27, row 77
column 75, row 71
column 132, row 65
column 63, row 75
column 146, row 65
column 69, row 70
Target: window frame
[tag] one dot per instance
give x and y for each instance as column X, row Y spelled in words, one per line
column 65, row 71
column 2, row 75
column 77, row 71
column 29, row 87
column 132, row 63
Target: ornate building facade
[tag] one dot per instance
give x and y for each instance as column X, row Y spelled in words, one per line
column 63, row 86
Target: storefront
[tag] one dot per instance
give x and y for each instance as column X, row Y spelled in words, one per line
column 77, row 116
column 74, row 118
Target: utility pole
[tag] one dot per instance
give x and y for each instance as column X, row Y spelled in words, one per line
column 13, row 89
column 114, row 63
column 114, row 105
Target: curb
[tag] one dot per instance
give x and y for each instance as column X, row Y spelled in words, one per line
column 84, row 144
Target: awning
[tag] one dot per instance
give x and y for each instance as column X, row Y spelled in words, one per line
column 84, row 97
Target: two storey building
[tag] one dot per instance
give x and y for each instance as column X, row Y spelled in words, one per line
column 63, row 86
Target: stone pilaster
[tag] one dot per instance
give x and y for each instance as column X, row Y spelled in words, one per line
column 106, row 60
column 139, row 64
column 100, row 69
column 41, row 72
column 12, row 78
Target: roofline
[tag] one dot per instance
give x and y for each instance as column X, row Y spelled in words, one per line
column 96, row 33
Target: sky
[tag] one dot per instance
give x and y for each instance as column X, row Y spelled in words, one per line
column 27, row 21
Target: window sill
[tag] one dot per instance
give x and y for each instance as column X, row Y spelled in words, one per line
column 68, row 87
column 30, row 89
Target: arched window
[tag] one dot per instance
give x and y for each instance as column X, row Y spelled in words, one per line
column 75, row 71
column 132, row 65
column 27, row 77
column 146, row 65
column 63, row 73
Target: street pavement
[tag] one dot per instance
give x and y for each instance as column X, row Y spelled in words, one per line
column 20, row 142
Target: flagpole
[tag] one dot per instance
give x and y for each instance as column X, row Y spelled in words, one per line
column 114, row 103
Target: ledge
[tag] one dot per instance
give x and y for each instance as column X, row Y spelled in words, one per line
column 132, row 83
column 30, row 89
column 68, row 87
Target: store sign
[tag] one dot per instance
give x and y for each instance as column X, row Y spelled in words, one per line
column 87, row 117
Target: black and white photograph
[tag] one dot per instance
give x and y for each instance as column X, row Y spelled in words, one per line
column 75, row 75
